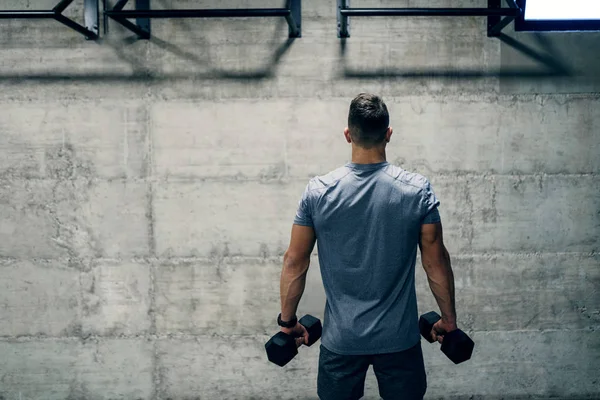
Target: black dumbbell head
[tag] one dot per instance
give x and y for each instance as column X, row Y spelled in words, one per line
column 457, row 346
column 313, row 326
column 281, row 348
column 426, row 322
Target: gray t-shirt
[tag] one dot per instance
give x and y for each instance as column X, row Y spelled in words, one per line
column 367, row 219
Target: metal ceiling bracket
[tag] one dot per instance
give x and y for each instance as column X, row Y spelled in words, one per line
column 143, row 14
column 494, row 12
column 142, row 25
column 91, row 16
column 90, row 30
column 496, row 23
column 294, row 19
column 343, row 21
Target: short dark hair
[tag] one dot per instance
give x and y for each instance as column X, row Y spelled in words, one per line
column 368, row 120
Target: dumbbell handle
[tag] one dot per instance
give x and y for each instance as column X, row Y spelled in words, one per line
column 298, row 342
column 313, row 326
column 310, row 323
column 426, row 323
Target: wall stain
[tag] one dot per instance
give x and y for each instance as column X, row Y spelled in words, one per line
column 490, row 214
column 263, row 251
column 274, row 172
column 467, row 224
column 74, row 329
column 61, row 162
column 70, row 191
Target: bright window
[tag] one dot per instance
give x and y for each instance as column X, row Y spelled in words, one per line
column 553, row 10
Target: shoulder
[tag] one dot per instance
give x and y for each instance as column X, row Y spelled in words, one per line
column 406, row 178
column 329, row 179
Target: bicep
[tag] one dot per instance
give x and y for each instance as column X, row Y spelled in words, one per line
column 431, row 240
column 302, row 241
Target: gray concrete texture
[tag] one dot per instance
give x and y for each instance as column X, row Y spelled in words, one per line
column 147, row 191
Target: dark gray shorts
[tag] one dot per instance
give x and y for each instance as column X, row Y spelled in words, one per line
column 399, row 375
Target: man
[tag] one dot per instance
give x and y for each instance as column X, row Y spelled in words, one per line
column 368, row 218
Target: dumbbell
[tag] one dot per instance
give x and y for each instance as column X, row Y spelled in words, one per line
column 281, row 348
column 457, row 346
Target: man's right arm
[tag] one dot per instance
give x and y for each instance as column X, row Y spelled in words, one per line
column 436, row 263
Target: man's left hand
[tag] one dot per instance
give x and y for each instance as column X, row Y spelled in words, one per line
column 298, row 332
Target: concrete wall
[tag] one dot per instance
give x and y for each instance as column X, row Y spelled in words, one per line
column 147, row 190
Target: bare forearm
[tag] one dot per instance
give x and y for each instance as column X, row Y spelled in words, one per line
column 293, row 281
column 441, row 282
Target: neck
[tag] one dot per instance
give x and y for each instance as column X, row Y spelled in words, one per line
column 360, row 155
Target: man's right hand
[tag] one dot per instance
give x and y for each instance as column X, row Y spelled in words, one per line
column 440, row 328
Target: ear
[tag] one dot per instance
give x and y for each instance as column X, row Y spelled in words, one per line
column 347, row 135
column 388, row 134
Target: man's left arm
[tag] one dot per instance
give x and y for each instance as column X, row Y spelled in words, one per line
column 293, row 275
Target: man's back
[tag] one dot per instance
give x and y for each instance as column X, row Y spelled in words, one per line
column 367, row 220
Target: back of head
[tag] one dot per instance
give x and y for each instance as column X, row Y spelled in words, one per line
column 368, row 120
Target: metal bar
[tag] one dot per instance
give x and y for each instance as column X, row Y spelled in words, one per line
column 120, row 4
column 104, row 17
column 143, row 23
column 293, row 28
column 496, row 23
column 428, row 12
column 513, row 4
column 143, row 14
column 343, row 21
column 60, row 7
column 496, row 29
column 133, row 27
column 493, row 20
column 74, row 25
column 294, row 18
column 216, row 13
column 26, row 14
column 91, row 15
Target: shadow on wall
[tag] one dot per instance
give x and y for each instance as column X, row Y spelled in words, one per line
column 553, row 67
column 142, row 73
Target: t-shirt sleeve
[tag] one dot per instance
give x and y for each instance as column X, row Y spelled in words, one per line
column 430, row 204
column 304, row 212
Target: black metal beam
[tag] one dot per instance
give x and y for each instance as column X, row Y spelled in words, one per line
column 143, row 23
column 513, row 4
column 343, row 21
column 496, row 23
column 294, row 19
column 143, row 14
column 26, row 14
column 120, row 4
column 493, row 20
column 215, row 13
column 90, row 31
column 496, row 29
column 494, row 12
column 133, row 27
column 293, row 28
column 428, row 12
column 60, row 7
